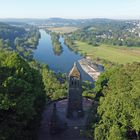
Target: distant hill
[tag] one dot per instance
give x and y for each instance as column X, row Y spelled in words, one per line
column 58, row 21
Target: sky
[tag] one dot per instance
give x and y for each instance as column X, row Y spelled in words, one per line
column 114, row 9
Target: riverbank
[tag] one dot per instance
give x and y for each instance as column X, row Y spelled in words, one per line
column 57, row 48
column 58, row 63
column 92, row 69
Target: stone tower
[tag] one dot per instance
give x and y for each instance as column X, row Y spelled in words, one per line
column 74, row 107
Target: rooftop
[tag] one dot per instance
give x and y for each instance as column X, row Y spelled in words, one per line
column 74, row 71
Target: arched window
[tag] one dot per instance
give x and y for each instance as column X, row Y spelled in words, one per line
column 78, row 83
column 75, row 82
column 72, row 82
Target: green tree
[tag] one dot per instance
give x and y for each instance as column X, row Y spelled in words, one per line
column 119, row 107
column 22, row 98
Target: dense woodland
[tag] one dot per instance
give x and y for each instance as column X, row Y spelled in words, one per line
column 20, row 39
column 25, row 85
column 22, row 98
column 25, row 88
column 115, row 114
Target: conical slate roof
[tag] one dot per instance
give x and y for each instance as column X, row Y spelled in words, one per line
column 74, row 71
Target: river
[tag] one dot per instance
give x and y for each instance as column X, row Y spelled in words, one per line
column 58, row 63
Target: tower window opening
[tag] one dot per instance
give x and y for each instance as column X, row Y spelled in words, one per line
column 75, row 83
column 72, row 82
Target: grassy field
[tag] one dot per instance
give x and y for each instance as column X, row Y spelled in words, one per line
column 63, row 29
column 118, row 54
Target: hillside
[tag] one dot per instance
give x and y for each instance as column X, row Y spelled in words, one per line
column 22, row 98
column 116, row 110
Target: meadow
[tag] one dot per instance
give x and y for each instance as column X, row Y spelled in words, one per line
column 115, row 54
column 63, row 29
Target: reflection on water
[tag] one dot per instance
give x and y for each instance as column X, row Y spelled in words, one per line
column 59, row 63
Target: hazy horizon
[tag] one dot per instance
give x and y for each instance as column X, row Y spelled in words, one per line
column 36, row 18
column 70, row 9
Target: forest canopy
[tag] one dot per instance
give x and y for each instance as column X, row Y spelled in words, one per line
column 22, row 97
column 116, row 112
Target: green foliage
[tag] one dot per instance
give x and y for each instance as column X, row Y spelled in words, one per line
column 10, row 32
column 57, row 48
column 119, row 106
column 88, row 90
column 53, row 87
column 22, row 98
column 70, row 43
column 102, row 81
column 115, row 133
column 119, row 33
column 20, row 39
